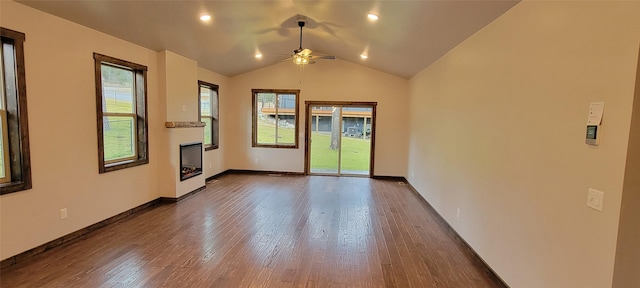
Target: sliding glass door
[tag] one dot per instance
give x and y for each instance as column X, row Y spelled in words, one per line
column 340, row 138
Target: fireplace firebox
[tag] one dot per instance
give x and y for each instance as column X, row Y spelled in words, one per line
column 190, row 160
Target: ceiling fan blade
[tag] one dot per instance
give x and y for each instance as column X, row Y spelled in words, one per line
column 288, row 59
column 276, row 54
column 326, row 57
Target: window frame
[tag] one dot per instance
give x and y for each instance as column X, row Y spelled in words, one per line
column 6, row 166
column 254, row 128
column 215, row 119
column 140, row 117
column 16, row 115
column 6, row 155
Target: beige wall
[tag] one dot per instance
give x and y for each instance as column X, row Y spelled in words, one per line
column 335, row 80
column 62, row 128
column 628, row 248
column 214, row 160
column 180, row 72
column 498, row 128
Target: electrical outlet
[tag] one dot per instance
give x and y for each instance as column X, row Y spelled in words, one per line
column 458, row 212
column 595, row 199
column 63, row 213
column 255, row 160
column 209, row 165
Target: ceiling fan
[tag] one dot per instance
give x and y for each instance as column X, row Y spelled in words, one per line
column 303, row 56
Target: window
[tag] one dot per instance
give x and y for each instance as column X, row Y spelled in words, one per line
column 275, row 118
column 121, row 101
column 15, row 162
column 208, row 95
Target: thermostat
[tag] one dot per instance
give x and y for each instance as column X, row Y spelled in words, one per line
column 596, row 109
column 592, row 134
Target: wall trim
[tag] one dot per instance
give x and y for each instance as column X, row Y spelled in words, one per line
column 76, row 235
column 257, row 172
column 225, row 172
column 390, row 178
column 492, row 274
column 174, row 199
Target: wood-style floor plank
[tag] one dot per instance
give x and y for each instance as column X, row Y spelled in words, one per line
column 265, row 231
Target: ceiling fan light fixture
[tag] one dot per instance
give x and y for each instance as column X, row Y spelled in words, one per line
column 303, row 56
column 364, row 56
column 373, row 17
column 299, row 59
column 258, row 55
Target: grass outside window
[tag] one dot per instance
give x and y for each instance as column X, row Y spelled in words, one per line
column 355, row 153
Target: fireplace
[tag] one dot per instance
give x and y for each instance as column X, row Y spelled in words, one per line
column 190, row 160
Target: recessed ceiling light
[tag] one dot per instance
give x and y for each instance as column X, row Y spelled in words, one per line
column 205, row 18
column 259, row 55
column 364, row 56
column 373, row 17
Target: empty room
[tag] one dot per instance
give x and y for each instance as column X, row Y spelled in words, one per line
column 320, row 143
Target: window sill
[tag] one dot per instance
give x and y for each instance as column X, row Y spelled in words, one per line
column 275, row 146
column 210, row 147
column 11, row 187
column 122, row 165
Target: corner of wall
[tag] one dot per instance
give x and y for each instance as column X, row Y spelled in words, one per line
column 627, row 259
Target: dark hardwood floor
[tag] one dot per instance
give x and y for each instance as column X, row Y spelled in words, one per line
column 267, row 231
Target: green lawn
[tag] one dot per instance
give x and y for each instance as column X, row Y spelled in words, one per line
column 355, row 153
column 118, row 136
column 267, row 134
column 118, row 131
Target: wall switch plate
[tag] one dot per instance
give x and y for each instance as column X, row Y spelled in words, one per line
column 458, row 212
column 63, row 213
column 595, row 199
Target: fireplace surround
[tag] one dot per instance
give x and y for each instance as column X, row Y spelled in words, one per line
column 190, row 160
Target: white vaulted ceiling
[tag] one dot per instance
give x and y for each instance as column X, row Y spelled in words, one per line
column 408, row 37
